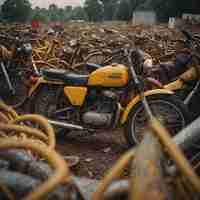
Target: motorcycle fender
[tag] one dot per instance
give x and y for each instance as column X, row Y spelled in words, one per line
column 41, row 81
column 189, row 75
column 137, row 99
column 76, row 95
column 176, row 85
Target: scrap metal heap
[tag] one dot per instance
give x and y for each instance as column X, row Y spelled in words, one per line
column 31, row 169
column 81, row 43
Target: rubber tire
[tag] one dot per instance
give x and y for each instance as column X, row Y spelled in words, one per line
column 170, row 98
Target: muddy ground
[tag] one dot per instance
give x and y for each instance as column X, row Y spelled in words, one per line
column 97, row 153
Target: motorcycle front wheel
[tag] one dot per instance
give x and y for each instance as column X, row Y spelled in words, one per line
column 168, row 109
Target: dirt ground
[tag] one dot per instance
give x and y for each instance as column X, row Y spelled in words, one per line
column 97, row 153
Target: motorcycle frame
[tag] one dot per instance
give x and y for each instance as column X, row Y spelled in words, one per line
column 190, row 75
column 126, row 110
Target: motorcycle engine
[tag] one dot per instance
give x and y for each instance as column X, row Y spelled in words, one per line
column 102, row 111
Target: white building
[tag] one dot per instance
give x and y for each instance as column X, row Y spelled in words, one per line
column 144, row 17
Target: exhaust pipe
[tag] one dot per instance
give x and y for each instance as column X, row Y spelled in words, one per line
column 66, row 125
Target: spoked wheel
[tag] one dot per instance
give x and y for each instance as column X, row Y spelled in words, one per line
column 169, row 110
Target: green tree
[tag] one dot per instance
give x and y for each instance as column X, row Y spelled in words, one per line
column 122, row 11
column 61, row 14
column 127, row 7
column 53, row 12
column 94, row 10
column 109, row 8
column 40, row 14
column 67, row 12
column 78, row 13
column 170, row 8
column 16, row 10
column 174, row 8
column 68, row 9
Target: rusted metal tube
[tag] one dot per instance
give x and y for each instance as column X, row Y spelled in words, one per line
column 112, row 175
column 175, row 153
column 61, row 168
column 44, row 125
column 147, row 180
column 24, row 129
column 9, row 110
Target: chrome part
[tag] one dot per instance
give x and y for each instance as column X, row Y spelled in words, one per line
column 109, row 94
column 66, row 125
column 97, row 119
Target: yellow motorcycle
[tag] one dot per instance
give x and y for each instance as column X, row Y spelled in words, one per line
column 105, row 99
column 187, row 85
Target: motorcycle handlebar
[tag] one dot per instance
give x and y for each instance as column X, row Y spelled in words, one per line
column 188, row 136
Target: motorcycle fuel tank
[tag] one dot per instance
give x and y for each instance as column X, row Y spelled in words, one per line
column 115, row 75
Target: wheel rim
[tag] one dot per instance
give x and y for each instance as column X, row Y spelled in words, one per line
column 166, row 112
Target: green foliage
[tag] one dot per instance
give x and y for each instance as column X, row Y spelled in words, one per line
column 16, row 10
column 94, row 10
column 127, row 7
column 174, row 8
column 53, row 13
column 123, row 11
column 40, row 14
column 109, row 8
column 78, row 13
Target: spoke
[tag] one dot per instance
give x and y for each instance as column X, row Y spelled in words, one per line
column 166, row 113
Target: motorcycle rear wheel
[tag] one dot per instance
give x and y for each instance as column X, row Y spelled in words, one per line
column 168, row 109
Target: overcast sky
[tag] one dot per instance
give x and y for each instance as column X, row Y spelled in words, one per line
column 60, row 3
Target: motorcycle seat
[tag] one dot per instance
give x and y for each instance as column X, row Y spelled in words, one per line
column 68, row 78
column 76, row 79
column 92, row 67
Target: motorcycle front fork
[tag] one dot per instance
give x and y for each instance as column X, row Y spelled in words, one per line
column 5, row 73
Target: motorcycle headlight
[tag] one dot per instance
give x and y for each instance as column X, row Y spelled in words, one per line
column 27, row 49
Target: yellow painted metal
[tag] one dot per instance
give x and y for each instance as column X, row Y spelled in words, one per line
column 137, row 99
column 175, row 85
column 189, row 75
column 115, row 75
column 76, row 95
column 42, row 81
